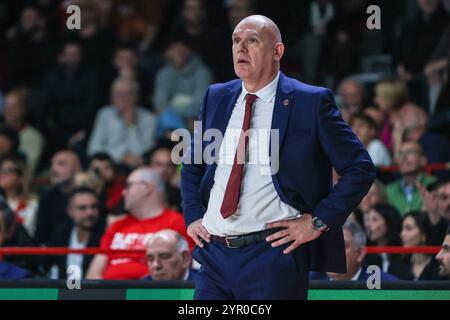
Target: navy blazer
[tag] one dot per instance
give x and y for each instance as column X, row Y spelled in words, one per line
column 313, row 139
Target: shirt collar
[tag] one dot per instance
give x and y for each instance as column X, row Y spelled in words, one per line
column 266, row 94
column 356, row 276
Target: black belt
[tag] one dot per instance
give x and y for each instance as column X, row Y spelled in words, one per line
column 239, row 241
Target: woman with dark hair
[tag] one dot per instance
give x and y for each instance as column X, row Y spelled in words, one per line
column 383, row 226
column 416, row 229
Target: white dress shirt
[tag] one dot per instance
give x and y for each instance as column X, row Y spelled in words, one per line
column 112, row 135
column 75, row 259
column 379, row 153
column 356, row 275
column 259, row 202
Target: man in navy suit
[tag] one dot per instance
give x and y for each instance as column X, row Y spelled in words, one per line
column 264, row 214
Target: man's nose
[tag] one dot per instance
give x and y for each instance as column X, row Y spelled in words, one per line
column 242, row 46
column 156, row 264
column 439, row 256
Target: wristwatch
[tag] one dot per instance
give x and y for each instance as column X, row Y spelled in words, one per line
column 319, row 225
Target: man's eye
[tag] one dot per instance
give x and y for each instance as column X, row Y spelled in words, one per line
column 252, row 40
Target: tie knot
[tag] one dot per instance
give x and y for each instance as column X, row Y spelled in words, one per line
column 250, row 98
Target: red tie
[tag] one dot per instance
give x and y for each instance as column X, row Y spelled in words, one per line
column 233, row 190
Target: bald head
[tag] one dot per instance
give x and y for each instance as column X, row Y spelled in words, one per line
column 170, row 238
column 65, row 164
column 168, row 255
column 144, row 191
column 264, row 24
column 257, row 51
column 413, row 115
column 149, row 175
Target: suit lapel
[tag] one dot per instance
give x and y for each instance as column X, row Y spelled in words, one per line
column 282, row 108
column 225, row 108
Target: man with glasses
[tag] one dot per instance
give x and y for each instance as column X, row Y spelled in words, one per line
column 404, row 194
column 145, row 202
column 84, row 230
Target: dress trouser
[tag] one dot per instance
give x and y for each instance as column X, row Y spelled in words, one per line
column 253, row 272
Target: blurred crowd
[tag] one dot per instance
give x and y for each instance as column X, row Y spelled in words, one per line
column 87, row 116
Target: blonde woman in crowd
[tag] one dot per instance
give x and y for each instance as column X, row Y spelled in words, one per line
column 390, row 96
column 15, row 181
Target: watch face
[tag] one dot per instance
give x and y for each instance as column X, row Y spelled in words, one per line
column 319, row 224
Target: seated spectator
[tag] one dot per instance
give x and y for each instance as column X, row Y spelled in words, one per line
column 67, row 101
column 103, row 166
column 206, row 39
column 443, row 192
column 9, row 142
column 390, row 95
column 53, row 203
column 417, row 266
column 181, row 84
column 123, row 130
column 169, row 258
column 125, row 64
column 14, row 180
column 436, row 203
column 31, row 141
column 87, row 179
column 83, row 230
column 443, row 258
column 383, row 229
column 144, row 199
column 376, row 195
column 8, row 271
column 159, row 159
column 403, row 194
column 351, row 93
column 355, row 252
column 377, row 116
column 414, row 128
column 366, row 130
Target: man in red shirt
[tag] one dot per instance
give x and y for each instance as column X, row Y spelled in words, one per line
column 144, row 199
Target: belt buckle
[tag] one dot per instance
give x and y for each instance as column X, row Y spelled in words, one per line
column 227, row 241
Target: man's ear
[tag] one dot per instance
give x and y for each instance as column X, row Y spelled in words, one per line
column 150, row 188
column 362, row 254
column 187, row 258
column 279, row 51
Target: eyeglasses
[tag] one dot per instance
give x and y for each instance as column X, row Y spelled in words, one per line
column 406, row 153
column 85, row 207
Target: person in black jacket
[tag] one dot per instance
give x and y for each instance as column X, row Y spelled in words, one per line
column 52, row 204
column 84, row 230
column 416, row 232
